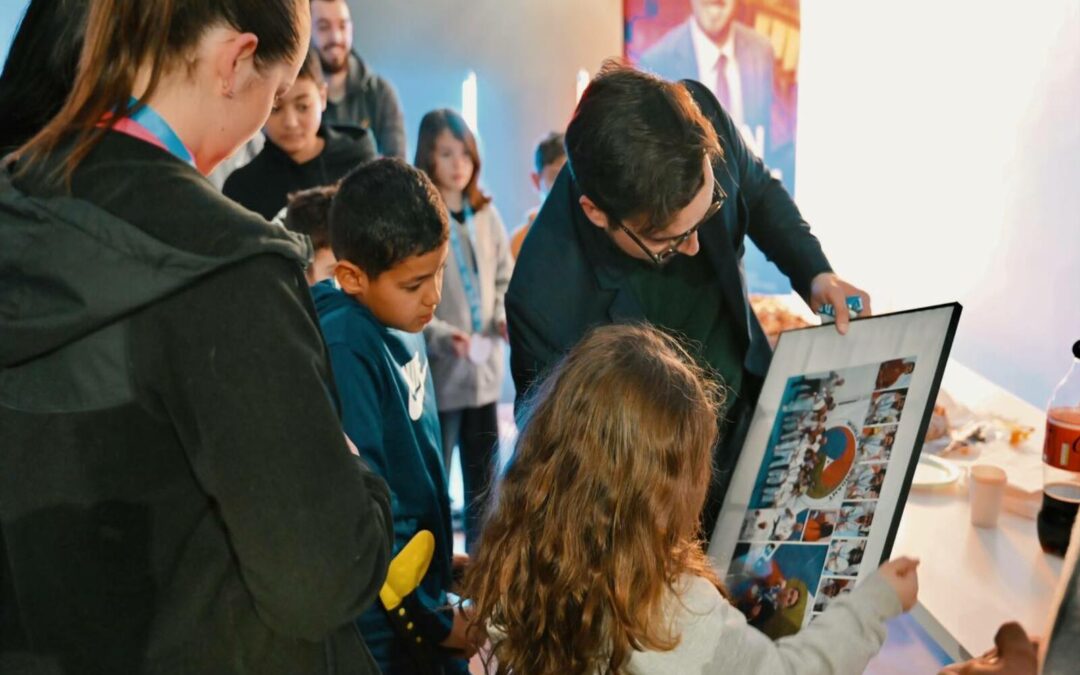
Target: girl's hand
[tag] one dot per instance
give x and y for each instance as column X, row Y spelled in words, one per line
column 901, row 575
column 460, row 342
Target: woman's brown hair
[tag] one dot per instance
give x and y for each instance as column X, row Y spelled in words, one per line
column 597, row 516
column 433, row 124
column 124, row 35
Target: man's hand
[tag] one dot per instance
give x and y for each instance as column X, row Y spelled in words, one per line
column 1014, row 654
column 827, row 288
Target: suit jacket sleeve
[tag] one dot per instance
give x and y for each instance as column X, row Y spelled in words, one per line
column 775, row 224
column 531, row 352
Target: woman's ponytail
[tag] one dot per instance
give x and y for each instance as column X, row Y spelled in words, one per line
column 123, row 36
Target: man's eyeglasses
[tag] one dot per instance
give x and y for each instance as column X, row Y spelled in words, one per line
column 672, row 249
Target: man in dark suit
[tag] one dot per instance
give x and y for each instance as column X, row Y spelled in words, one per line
column 657, row 174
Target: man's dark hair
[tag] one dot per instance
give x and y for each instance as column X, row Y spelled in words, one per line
column 550, row 149
column 636, row 144
column 308, row 213
column 384, row 212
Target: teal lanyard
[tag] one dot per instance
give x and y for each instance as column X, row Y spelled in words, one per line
column 153, row 123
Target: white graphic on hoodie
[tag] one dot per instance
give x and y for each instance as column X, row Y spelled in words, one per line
column 415, row 373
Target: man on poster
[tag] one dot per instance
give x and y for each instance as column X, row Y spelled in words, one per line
column 733, row 61
column 657, row 174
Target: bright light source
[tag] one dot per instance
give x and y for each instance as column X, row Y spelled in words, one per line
column 468, row 101
column 582, row 82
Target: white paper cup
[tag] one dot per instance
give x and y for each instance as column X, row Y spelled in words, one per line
column 986, row 489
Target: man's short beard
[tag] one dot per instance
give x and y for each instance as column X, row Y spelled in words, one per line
column 332, row 68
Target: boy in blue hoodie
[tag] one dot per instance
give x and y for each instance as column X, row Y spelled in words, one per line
column 388, row 230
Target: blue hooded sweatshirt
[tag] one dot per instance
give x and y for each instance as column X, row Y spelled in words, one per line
column 388, row 410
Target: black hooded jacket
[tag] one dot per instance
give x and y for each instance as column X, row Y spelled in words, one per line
column 176, row 495
column 264, row 184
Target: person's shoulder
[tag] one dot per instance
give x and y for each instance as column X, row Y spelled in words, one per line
column 675, row 40
column 251, row 176
column 348, row 146
column 748, row 38
column 553, row 247
column 346, row 323
column 697, row 595
column 179, row 207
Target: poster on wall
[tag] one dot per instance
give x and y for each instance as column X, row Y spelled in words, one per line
column 747, row 53
column 819, row 489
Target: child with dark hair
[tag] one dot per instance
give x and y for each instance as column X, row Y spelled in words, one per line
column 308, row 213
column 548, row 160
column 389, row 232
column 300, row 151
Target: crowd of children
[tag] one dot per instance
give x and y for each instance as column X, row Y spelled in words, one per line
column 589, row 557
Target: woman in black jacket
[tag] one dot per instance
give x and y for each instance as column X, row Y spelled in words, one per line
column 177, row 493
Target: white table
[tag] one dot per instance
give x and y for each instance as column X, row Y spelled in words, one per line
column 973, row 580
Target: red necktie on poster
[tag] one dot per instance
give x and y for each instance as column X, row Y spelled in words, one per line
column 723, row 93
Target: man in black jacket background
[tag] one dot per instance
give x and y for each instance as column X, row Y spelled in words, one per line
column 358, row 96
column 657, row 174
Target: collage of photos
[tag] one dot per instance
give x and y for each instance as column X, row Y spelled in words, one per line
column 804, row 535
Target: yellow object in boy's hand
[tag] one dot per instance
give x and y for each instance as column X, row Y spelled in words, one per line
column 407, row 569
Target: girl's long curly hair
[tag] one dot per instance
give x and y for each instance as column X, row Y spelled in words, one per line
column 596, row 517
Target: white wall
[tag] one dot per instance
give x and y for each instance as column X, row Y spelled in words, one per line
column 526, row 55
column 939, row 160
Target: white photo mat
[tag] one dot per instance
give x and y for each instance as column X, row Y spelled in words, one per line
column 819, row 488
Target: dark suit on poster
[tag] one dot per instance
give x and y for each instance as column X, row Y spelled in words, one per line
column 673, row 58
column 565, row 282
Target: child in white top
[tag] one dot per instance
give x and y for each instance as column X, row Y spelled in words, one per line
column 589, row 560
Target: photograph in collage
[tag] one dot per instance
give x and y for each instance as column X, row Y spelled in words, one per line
column 895, row 374
column 875, row 444
column 773, row 584
column 813, row 501
column 830, row 589
column 866, row 480
column 855, row 519
column 885, row 407
column 845, row 556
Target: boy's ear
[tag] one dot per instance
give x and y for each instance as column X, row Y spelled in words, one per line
column 352, row 279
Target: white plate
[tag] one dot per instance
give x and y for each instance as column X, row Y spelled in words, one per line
column 934, row 472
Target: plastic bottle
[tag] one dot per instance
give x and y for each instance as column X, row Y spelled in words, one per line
column 1061, row 462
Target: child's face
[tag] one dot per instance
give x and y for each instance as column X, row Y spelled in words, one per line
column 453, row 165
column 294, row 121
column 322, row 266
column 405, row 296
